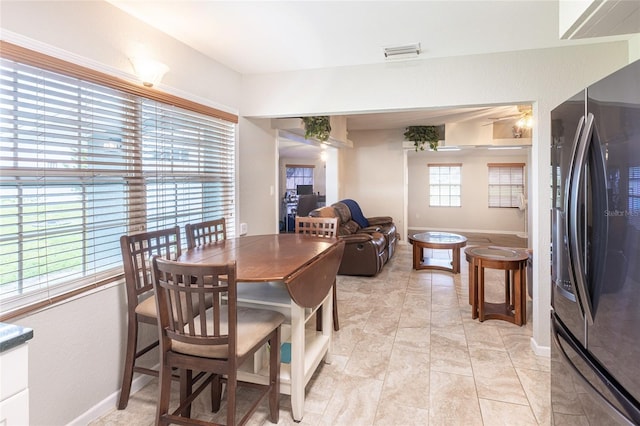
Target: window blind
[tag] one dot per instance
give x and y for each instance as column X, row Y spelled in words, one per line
column 82, row 164
column 506, row 184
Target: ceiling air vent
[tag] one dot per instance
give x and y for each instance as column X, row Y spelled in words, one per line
column 404, row 51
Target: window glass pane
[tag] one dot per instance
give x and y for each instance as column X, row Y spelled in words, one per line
column 298, row 175
column 444, row 185
column 83, row 164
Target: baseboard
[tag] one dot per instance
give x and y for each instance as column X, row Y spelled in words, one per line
column 475, row 231
column 109, row 403
column 544, row 351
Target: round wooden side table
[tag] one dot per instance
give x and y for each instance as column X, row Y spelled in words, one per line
column 513, row 261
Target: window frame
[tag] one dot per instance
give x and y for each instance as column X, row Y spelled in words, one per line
column 509, row 187
column 448, row 189
column 298, row 179
column 33, row 300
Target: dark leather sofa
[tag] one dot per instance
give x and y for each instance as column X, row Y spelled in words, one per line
column 369, row 241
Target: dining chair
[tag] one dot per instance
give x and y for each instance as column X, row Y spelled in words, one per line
column 136, row 250
column 321, row 227
column 217, row 340
column 306, row 203
column 210, row 231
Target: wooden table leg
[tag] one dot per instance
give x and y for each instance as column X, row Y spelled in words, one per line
column 297, row 360
column 479, row 293
column 417, row 255
column 456, row 260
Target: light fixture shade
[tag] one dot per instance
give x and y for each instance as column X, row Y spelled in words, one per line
column 149, row 71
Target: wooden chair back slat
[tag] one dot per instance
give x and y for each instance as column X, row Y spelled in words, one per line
column 317, row 226
column 137, row 249
column 207, row 232
column 185, row 286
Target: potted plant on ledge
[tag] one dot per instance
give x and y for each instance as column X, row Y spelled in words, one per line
column 420, row 135
column 318, row 127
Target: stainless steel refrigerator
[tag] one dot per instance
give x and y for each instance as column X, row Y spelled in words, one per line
column 595, row 316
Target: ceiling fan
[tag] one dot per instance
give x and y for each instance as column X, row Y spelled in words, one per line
column 524, row 116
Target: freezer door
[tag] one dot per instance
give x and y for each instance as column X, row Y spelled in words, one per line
column 581, row 390
column 614, row 337
column 567, row 124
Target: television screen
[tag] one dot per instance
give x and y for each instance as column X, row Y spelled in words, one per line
column 304, row 189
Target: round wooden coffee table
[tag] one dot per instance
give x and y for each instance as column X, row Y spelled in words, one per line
column 438, row 241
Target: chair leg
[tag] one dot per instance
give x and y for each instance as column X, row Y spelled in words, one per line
column 186, row 387
column 232, row 384
column 336, row 323
column 164, row 394
column 216, row 393
column 274, row 376
column 129, row 361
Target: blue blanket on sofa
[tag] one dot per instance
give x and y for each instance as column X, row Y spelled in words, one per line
column 356, row 213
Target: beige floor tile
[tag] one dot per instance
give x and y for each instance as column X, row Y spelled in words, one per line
column 498, row 413
column 354, row 402
column 537, row 387
column 400, row 415
column 407, row 380
column 453, row 400
column 449, row 353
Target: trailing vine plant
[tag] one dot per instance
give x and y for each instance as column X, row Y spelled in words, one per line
column 317, row 127
column 420, row 135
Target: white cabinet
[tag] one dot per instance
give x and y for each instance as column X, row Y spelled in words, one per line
column 14, row 375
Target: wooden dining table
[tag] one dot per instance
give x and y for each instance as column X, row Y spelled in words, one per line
column 263, row 263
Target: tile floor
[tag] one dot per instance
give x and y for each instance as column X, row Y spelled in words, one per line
column 408, row 353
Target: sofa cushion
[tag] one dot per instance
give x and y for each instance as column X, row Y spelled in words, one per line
column 343, row 212
column 350, row 227
column 356, row 213
column 327, row 211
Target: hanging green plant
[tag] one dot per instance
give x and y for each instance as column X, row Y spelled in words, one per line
column 419, row 135
column 317, row 127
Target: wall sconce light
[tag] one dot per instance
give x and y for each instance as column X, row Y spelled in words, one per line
column 149, row 71
column 323, row 156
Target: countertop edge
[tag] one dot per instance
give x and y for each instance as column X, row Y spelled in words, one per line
column 13, row 335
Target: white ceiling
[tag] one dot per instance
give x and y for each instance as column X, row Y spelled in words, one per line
column 272, row 36
column 254, row 37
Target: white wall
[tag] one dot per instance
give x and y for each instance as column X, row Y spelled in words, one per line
column 543, row 77
column 258, row 177
column 474, row 215
column 371, row 173
column 75, row 357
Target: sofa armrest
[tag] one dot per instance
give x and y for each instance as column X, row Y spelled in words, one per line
column 369, row 230
column 356, row 238
column 379, row 220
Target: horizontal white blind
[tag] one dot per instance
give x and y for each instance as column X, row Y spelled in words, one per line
column 445, row 183
column 82, row 164
column 506, row 185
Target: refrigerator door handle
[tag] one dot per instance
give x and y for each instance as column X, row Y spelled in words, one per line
column 559, row 331
column 575, row 266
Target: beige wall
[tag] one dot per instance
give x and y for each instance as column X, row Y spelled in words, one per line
column 474, row 214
